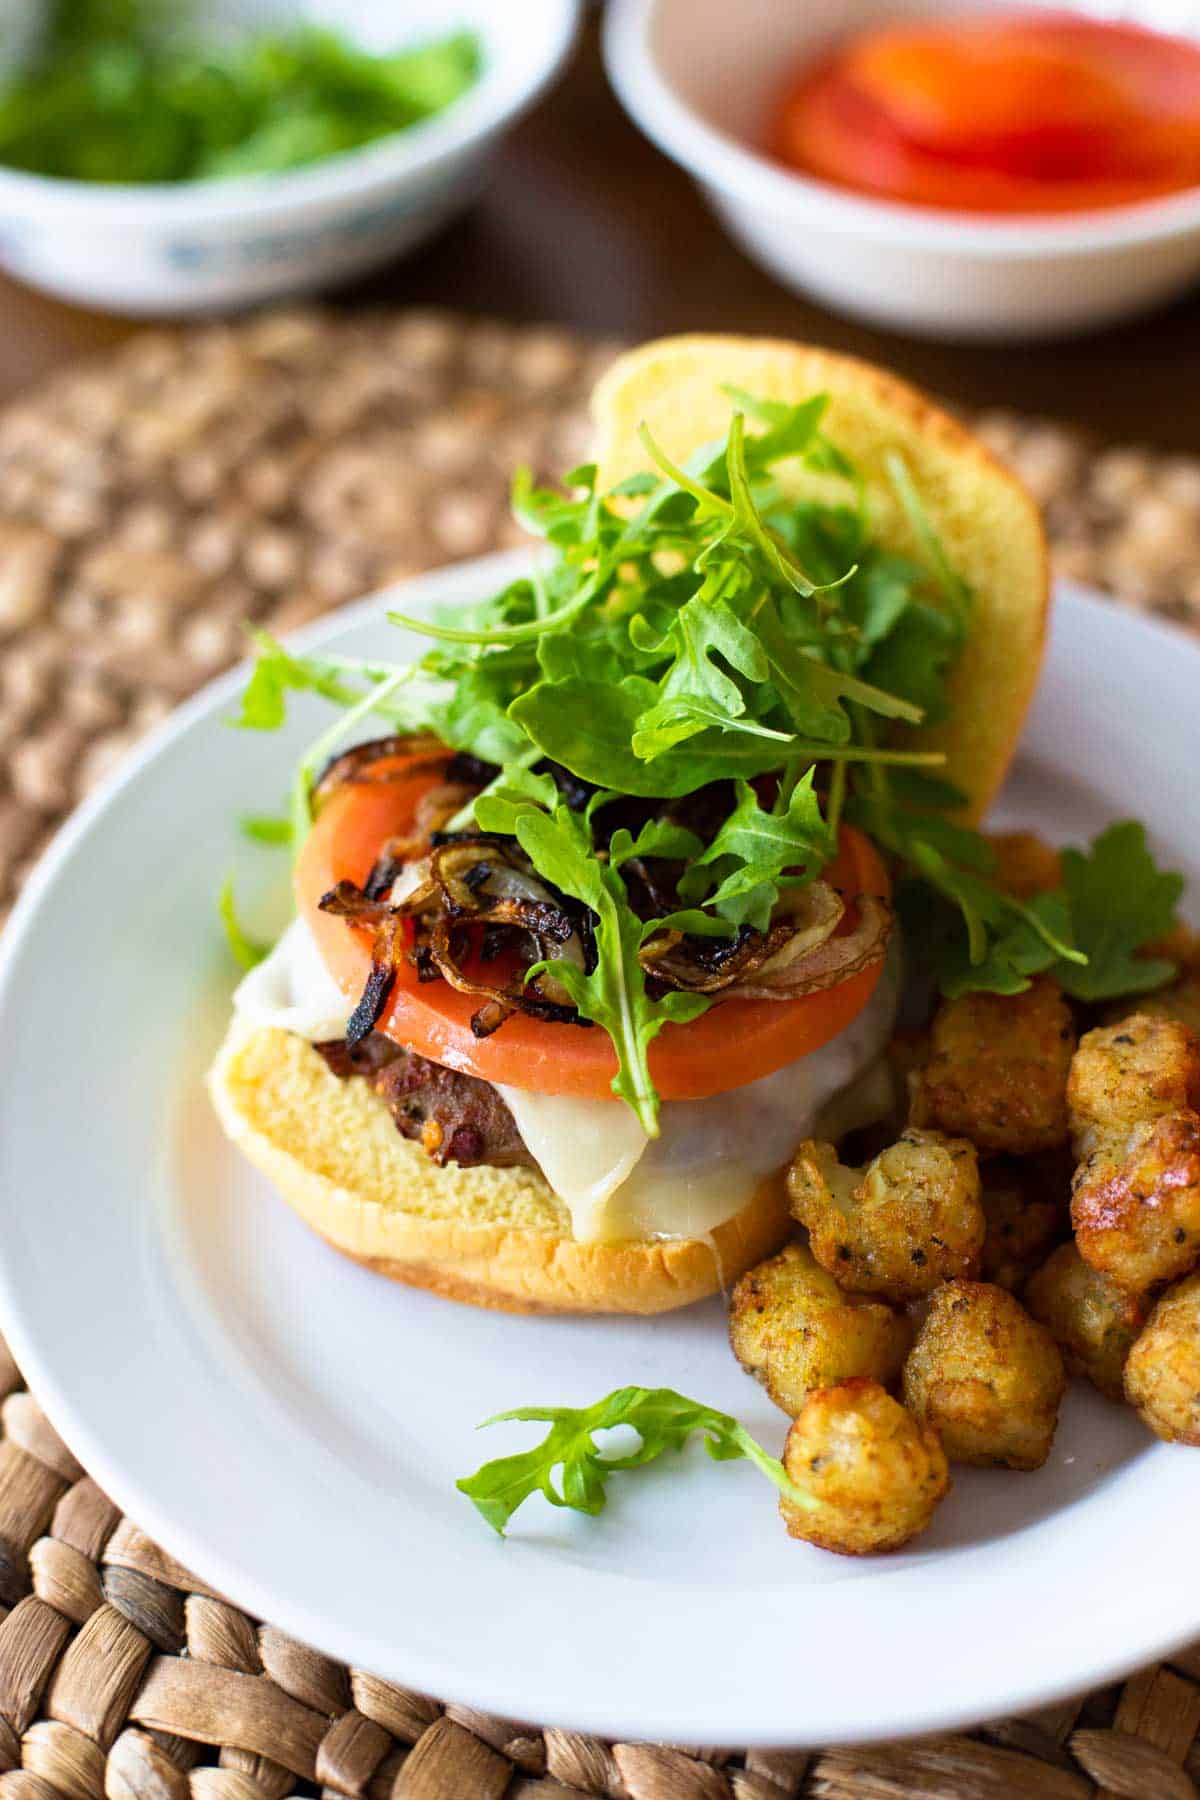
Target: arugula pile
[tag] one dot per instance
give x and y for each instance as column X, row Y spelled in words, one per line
column 662, row 1419
column 117, row 92
column 701, row 625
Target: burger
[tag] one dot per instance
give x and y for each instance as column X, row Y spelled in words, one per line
column 595, row 902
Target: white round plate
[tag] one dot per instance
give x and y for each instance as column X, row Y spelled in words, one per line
column 291, row 1426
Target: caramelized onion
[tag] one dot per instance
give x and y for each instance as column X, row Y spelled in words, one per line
column 357, row 763
column 474, row 899
column 486, row 883
column 804, row 919
column 833, row 961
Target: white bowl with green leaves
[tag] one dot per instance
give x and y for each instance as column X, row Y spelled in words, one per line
column 244, row 227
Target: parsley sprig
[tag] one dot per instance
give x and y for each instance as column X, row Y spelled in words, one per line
column 572, row 1470
column 702, row 624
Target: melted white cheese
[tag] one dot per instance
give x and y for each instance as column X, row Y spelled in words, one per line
column 710, row 1154
column 292, row 990
column 614, row 1180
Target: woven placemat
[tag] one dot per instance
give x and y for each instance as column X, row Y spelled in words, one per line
column 269, row 470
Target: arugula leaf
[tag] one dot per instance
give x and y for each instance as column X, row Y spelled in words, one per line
column 753, row 848
column 246, row 952
column 588, row 726
column 374, row 700
column 955, row 592
column 700, row 627
column 792, row 429
column 1008, row 946
column 913, row 661
column 662, row 1419
column 264, row 828
column 700, row 631
column 515, row 792
column 613, row 994
column 276, row 671
column 1119, row 900
column 1086, row 933
column 132, row 91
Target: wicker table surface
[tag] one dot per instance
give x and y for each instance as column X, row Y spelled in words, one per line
column 269, row 470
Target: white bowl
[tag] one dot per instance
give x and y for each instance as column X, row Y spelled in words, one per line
column 700, row 76
column 208, row 245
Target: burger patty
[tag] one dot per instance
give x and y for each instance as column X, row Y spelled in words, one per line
column 456, row 1118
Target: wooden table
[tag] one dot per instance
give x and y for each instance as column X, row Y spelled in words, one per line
column 585, row 223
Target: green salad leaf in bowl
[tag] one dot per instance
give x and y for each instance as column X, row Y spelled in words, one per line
column 122, row 91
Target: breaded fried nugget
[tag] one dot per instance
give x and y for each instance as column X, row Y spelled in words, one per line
column 1023, row 1219
column 997, row 1072
column 1094, row 1322
column 794, row 1329
column 1025, row 864
column 986, row 1376
column 1162, row 1376
column 876, row 1472
column 911, row 1219
column 1133, row 1093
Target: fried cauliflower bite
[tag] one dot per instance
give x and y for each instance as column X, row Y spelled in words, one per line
column 1132, row 1096
column 997, row 1070
column 1025, row 864
column 1162, row 1376
column 1092, row 1320
column 1024, row 1219
column 911, row 1219
column 876, row 1472
column 794, row 1329
column 986, row 1376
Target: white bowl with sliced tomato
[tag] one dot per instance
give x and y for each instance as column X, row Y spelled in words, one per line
column 893, row 171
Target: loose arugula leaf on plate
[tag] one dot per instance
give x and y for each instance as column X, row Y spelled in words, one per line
column 662, row 1419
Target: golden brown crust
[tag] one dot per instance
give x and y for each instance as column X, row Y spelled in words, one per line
column 997, row 1070
column 1025, row 1218
column 899, row 1227
column 1135, row 1127
column 988, row 523
column 794, row 1329
column 1093, row 1321
column 877, row 1473
column 987, row 1376
column 488, row 1237
column 1162, row 1375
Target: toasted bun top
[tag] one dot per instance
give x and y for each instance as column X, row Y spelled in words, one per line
column 987, row 522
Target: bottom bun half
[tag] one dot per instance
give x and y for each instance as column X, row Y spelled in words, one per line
column 487, row 1236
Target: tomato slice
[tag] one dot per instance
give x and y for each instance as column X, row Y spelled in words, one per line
column 984, row 114
column 731, row 1044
